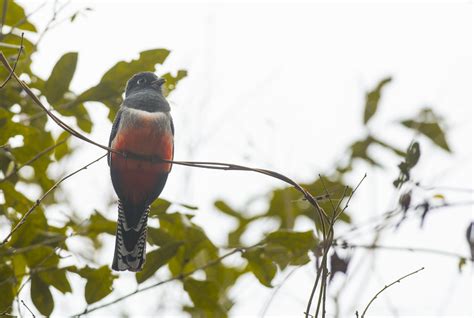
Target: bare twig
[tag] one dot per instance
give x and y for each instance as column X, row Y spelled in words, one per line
column 48, row 26
column 403, row 249
column 16, row 61
column 352, row 193
column 37, row 203
column 32, row 314
column 275, row 291
column 387, row 286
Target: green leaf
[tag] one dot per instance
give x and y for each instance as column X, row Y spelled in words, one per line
column 112, row 85
column 42, row 256
column 172, row 81
column 360, row 150
column 159, row 206
column 99, row 282
column 431, row 130
column 156, row 259
column 204, row 294
column 15, row 16
column 122, row 71
column 62, row 150
column 98, row 224
column 295, row 241
column 372, row 99
column 289, row 248
column 428, row 124
column 158, row 236
column 392, row 148
column 226, row 209
column 57, row 279
column 14, row 198
column 260, row 265
column 41, row 296
column 7, row 287
column 60, row 78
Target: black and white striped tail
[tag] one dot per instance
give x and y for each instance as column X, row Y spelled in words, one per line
column 130, row 242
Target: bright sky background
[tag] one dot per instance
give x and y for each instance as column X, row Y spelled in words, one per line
column 282, row 86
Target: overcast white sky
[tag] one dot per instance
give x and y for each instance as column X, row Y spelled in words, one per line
column 281, row 86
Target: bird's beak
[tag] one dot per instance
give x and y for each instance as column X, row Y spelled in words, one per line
column 158, row 82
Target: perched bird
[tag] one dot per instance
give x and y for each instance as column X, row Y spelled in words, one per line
column 143, row 128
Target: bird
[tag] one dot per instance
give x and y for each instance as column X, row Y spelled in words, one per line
column 143, row 128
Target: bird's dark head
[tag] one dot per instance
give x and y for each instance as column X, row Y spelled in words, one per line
column 144, row 81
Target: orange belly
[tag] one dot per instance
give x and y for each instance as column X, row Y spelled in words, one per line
column 138, row 179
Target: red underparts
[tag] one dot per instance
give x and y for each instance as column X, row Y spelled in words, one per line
column 138, row 179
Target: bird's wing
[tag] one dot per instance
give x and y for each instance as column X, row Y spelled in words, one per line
column 113, row 133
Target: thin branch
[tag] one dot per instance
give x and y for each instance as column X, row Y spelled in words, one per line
column 325, row 285
column 36, row 157
column 382, row 219
column 38, row 202
column 32, row 314
column 56, row 11
column 334, row 209
column 16, row 61
column 387, row 286
column 403, row 249
column 9, row 46
column 321, row 289
column 352, row 193
column 177, row 277
column 275, row 291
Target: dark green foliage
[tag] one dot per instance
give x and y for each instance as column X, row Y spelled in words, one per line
column 261, row 265
column 60, row 78
column 99, row 282
column 156, row 259
column 41, row 296
column 7, row 286
column 204, row 294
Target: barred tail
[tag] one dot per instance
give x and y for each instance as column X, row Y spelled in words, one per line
column 130, row 241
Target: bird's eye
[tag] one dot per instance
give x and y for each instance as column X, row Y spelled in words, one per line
column 141, row 81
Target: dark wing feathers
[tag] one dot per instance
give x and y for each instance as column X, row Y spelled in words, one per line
column 113, row 133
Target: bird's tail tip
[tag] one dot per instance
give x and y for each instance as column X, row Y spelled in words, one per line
column 130, row 243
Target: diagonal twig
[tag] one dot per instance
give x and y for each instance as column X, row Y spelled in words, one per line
column 32, row 314
column 386, row 287
column 12, row 71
